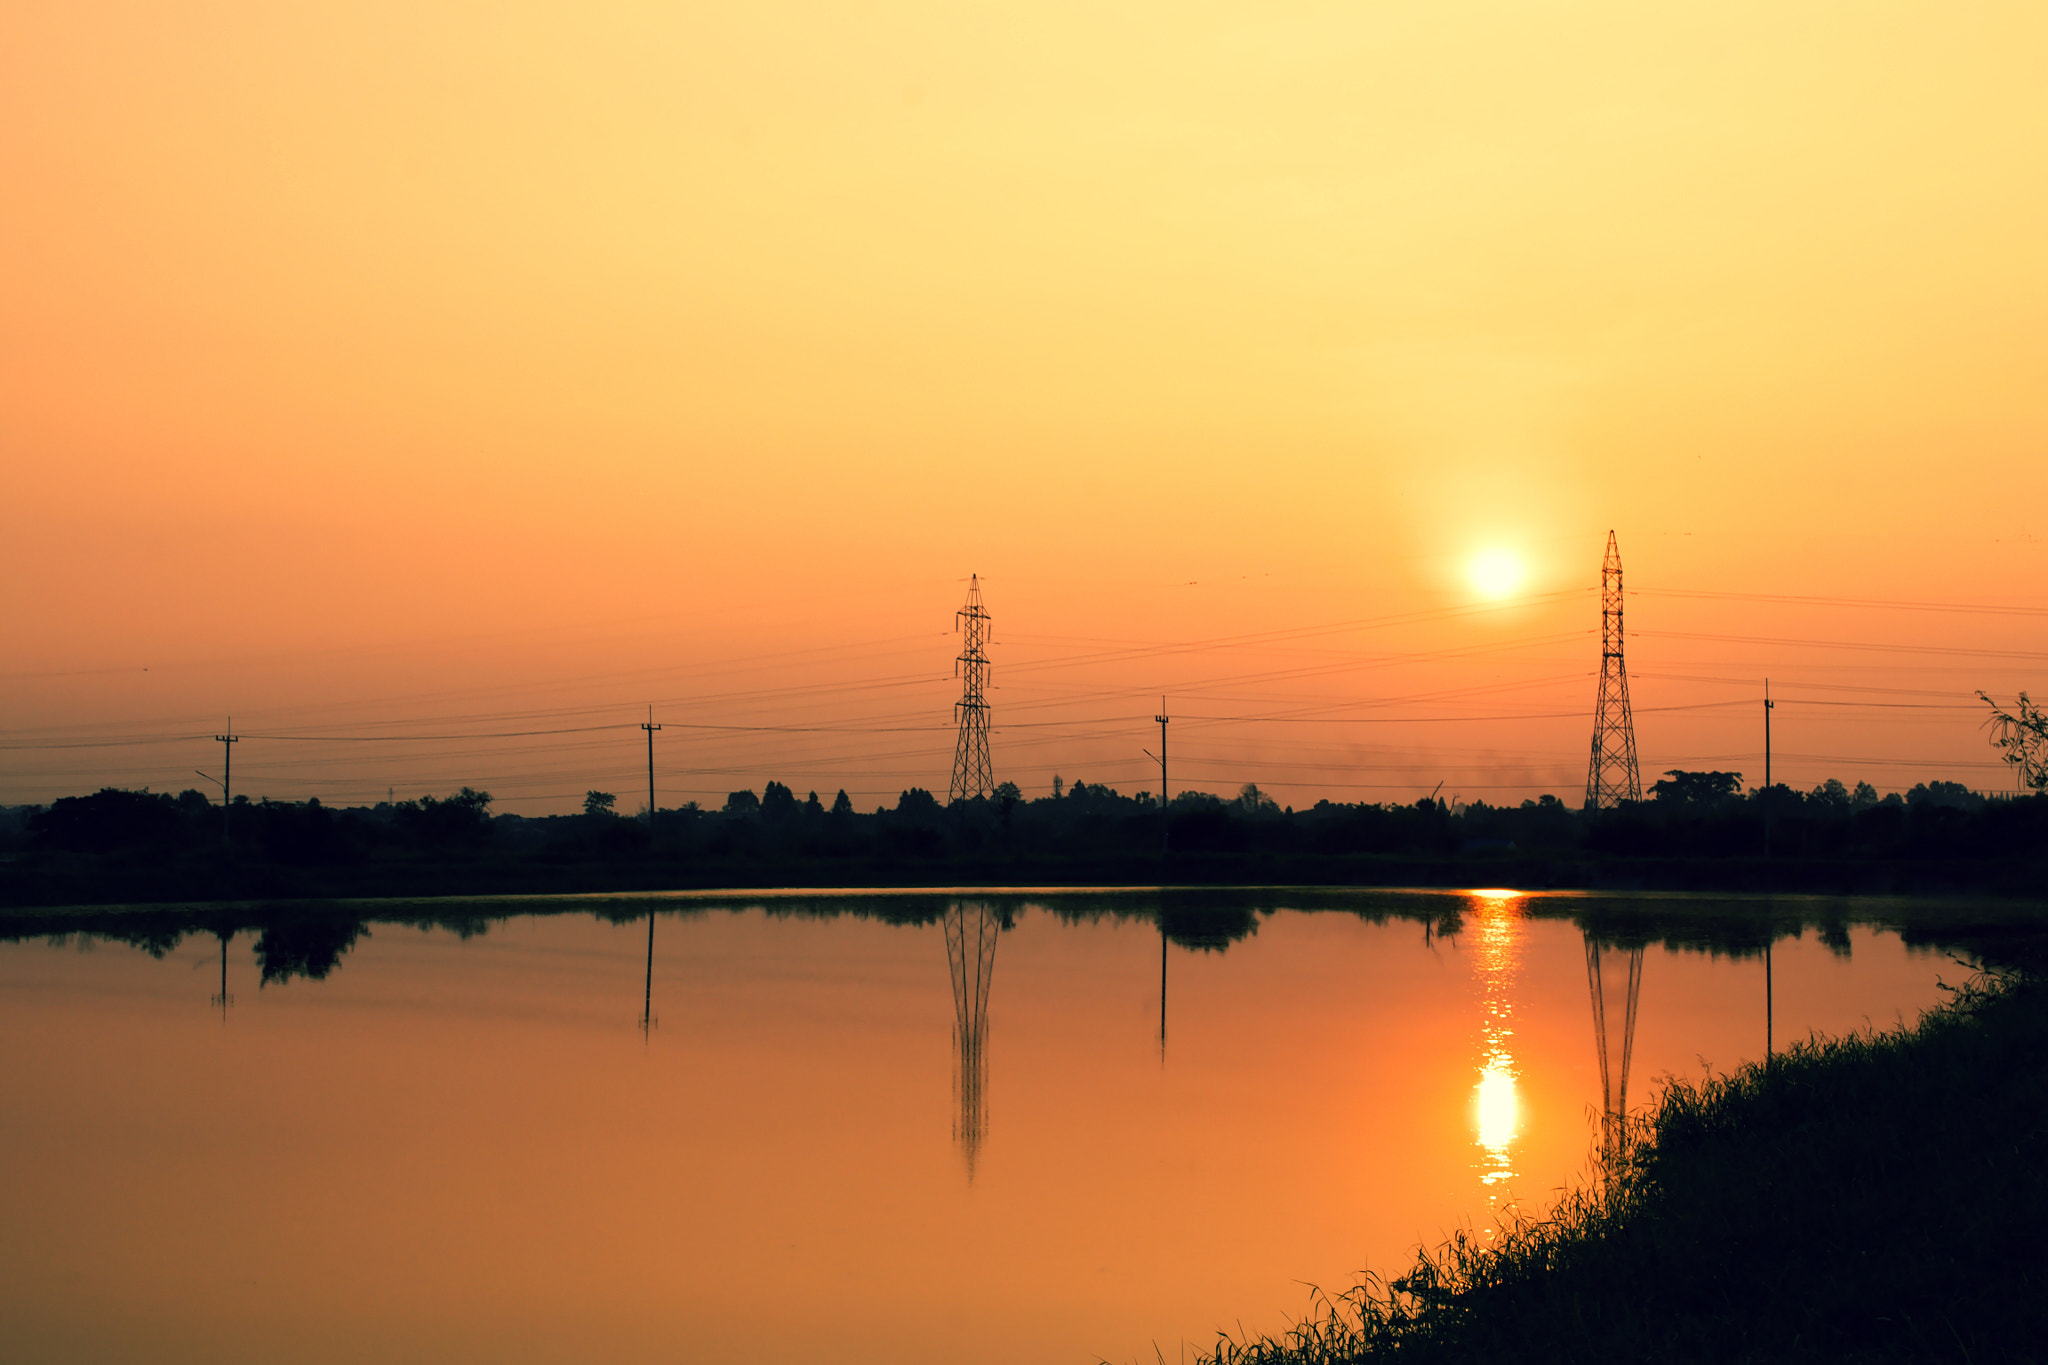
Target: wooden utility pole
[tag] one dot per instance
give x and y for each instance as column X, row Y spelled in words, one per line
column 650, row 727
column 1163, row 797
column 227, row 742
column 1768, row 706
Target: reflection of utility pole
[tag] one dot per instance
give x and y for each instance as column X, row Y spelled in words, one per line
column 647, row 998
column 971, row 951
column 227, row 742
column 1613, row 1079
column 223, row 999
column 1769, row 706
column 1162, row 985
column 650, row 727
column 1767, row 993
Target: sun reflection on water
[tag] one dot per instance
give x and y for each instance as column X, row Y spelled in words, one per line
column 1496, row 1105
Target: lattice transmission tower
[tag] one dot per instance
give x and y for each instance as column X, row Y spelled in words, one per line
column 972, row 774
column 1612, row 777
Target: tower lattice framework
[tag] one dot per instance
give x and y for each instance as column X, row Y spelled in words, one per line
column 1612, row 777
column 972, row 773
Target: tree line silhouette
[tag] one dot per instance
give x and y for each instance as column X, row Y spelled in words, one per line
column 146, row 845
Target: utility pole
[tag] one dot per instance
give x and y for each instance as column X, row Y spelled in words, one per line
column 1162, row 719
column 1165, row 831
column 227, row 742
column 650, row 727
column 1769, row 705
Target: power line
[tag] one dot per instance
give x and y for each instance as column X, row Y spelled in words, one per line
column 1846, row 644
column 1811, row 601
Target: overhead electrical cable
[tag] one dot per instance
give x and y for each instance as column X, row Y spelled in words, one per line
column 1791, row 599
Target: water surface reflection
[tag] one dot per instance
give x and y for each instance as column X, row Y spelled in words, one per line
column 1495, row 1106
column 971, row 931
column 486, row 1158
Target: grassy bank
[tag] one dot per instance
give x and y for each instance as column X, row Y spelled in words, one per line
column 1873, row 1198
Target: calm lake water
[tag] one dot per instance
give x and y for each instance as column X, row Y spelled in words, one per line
column 839, row 1137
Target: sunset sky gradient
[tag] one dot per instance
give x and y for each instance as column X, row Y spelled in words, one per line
column 464, row 370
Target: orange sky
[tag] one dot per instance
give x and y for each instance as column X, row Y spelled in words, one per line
column 420, row 364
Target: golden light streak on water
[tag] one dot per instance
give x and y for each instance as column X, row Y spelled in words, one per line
column 1496, row 1104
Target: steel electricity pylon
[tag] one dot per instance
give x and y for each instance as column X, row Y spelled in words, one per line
column 1612, row 777
column 972, row 773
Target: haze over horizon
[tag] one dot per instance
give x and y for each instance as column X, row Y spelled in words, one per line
column 401, row 372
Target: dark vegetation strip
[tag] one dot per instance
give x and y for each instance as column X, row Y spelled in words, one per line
column 1698, row 833
column 1870, row 1198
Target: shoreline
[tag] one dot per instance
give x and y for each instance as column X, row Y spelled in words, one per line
column 50, row 883
column 1866, row 1198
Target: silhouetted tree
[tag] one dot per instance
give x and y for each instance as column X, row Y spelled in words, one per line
column 777, row 802
column 108, row 819
column 842, row 804
column 1252, row 801
column 599, row 803
column 742, row 804
column 1953, row 795
column 464, row 818
column 918, row 804
column 2021, row 737
column 1682, row 788
column 1008, row 795
column 1830, row 795
column 302, row 833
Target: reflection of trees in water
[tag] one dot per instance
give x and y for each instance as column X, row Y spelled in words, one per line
column 971, row 950
column 1209, row 927
column 308, row 947
column 1624, row 964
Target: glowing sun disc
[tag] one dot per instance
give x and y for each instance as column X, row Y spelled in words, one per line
column 1497, row 573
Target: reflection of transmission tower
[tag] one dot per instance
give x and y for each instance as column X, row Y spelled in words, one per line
column 972, row 775
column 1612, row 778
column 1613, row 1071
column 971, row 948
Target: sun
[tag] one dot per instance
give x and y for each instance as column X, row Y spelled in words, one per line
column 1497, row 573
